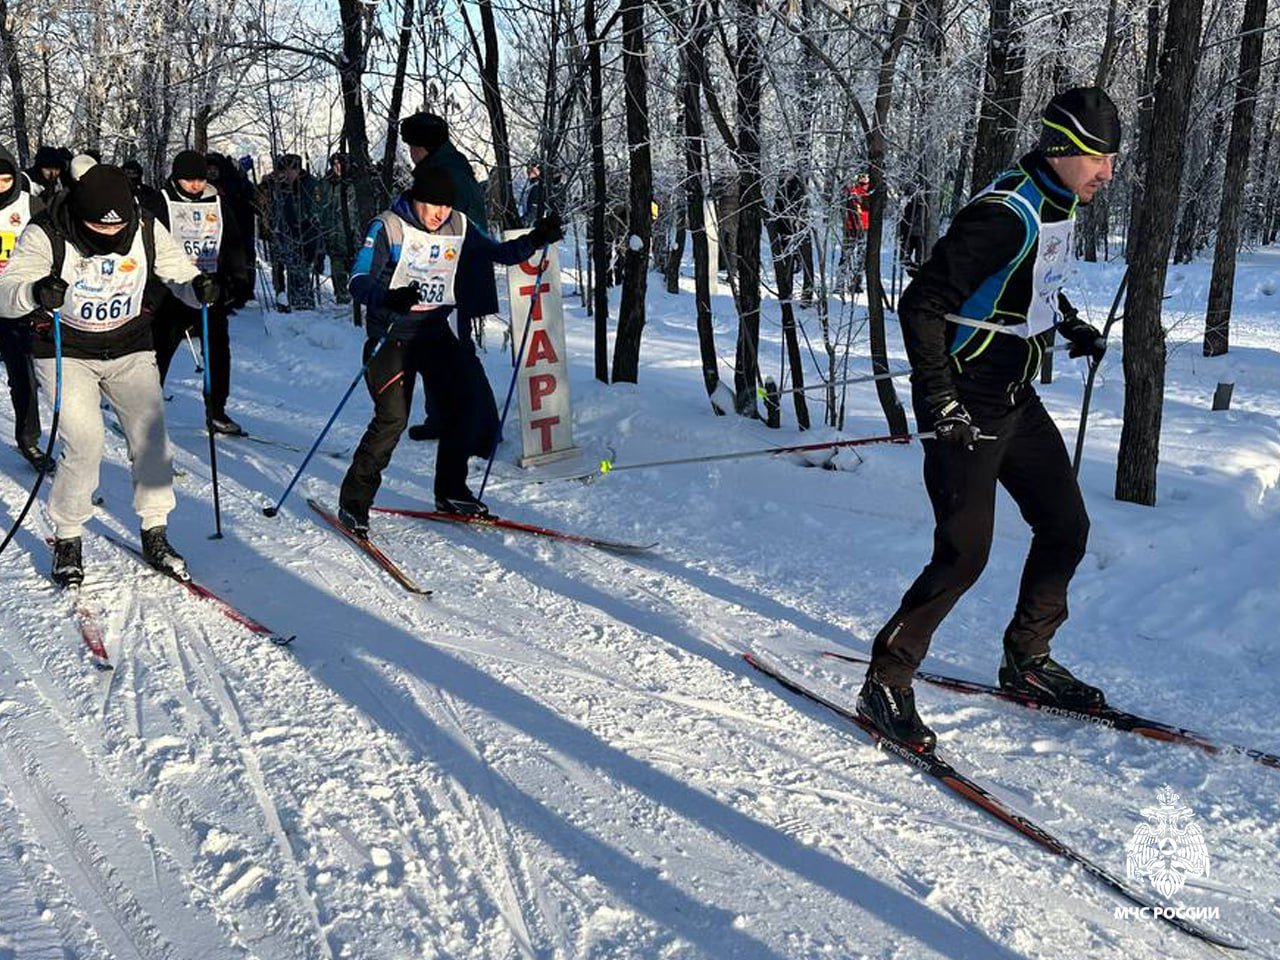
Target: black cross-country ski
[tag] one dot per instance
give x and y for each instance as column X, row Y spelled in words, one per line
column 1100, row 716
column 601, row 543
column 227, row 609
column 968, row 788
column 369, row 549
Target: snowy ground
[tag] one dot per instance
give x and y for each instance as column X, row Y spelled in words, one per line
column 561, row 753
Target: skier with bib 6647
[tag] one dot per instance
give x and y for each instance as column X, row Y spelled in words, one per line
column 976, row 321
column 414, row 276
column 89, row 257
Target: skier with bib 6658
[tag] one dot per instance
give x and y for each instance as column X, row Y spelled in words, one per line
column 976, row 322
column 90, row 257
column 412, row 276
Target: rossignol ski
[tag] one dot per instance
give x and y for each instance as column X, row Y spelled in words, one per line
column 1101, row 716
column 978, row 795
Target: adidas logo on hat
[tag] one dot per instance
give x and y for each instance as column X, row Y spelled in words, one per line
column 111, row 217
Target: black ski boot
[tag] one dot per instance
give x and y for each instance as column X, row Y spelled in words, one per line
column 355, row 519
column 35, row 456
column 427, row 430
column 68, row 562
column 892, row 711
column 1044, row 679
column 462, row 505
column 223, row 424
column 161, row 555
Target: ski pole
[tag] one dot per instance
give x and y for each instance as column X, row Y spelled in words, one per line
column 515, row 373
column 208, row 420
column 192, row 347
column 1093, row 372
column 272, row 511
column 53, row 428
column 608, row 466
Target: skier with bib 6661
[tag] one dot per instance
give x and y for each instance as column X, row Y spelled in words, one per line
column 89, row 257
column 413, row 275
column 976, row 321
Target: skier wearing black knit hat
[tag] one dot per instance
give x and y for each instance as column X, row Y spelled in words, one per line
column 976, row 321
column 90, row 257
column 410, row 275
column 209, row 234
column 427, row 136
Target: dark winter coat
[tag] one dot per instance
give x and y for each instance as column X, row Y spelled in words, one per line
column 376, row 263
column 987, row 237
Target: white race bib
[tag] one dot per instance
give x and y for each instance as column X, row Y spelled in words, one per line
column 105, row 292
column 198, row 229
column 432, row 260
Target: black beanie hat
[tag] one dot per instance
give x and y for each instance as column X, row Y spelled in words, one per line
column 49, row 157
column 433, row 185
column 189, row 165
column 1080, row 121
column 425, row 130
column 102, row 195
column 7, row 167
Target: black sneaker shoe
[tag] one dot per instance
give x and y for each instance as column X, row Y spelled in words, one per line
column 355, row 519
column 892, row 711
column 1044, row 679
column 68, row 563
column 462, row 506
column 161, row 555
column 221, row 423
column 424, row 431
column 35, row 456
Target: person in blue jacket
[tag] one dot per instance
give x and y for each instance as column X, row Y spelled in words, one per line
column 414, row 276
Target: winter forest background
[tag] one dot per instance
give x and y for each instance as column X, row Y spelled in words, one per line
column 648, row 117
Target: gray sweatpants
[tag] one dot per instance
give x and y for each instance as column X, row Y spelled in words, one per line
column 132, row 385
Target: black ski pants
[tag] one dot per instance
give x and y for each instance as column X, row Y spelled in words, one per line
column 15, row 347
column 169, row 327
column 1030, row 461
column 459, row 389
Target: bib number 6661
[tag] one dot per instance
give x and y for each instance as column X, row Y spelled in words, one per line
column 102, row 311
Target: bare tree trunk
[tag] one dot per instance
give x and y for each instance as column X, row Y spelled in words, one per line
column 626, row 347
column 1144, row 346
column 500, row 180
column 877, row 149
column 693, row 48
column 354, row 127
column 17, row 92
column 200, row 128
column 600, row 195
column 397, row 97
column 1217, row 320
column 1146, row 107
column 784, row 235
column 1001, row 96
column 1264, row 211
column 750, row 201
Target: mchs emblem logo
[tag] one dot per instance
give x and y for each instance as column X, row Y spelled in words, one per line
column 1168, row 848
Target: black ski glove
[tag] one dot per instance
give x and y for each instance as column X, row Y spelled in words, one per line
column 206, row 288
column 952, row 423
column 49, row 293
column 548, row 230
column 403, row 299
column 1086, row 340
